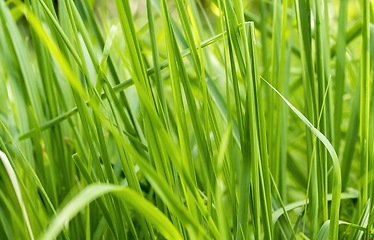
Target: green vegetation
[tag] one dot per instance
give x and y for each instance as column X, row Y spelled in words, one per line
column 186, row 119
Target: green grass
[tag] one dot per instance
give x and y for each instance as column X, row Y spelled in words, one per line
column 186, row 119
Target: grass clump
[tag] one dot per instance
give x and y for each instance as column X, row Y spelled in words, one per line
column 192, row 119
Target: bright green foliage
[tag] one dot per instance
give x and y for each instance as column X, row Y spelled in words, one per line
column 186, row 119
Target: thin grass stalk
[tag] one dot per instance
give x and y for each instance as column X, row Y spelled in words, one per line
column 321, row 150
column 340, row 73
column 264, row 171
column 282, row 84
column 364, row 104
column 273, row 128
column 302, row 8
column 163, row 111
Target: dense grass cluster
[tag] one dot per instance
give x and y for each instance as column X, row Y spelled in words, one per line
column 186, row 119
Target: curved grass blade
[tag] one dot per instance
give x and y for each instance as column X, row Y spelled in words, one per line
column 336, row 191
column 17, row 190
column 128, row 196
column 279, row 212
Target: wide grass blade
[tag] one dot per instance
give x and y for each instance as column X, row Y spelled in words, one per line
column 126, row 195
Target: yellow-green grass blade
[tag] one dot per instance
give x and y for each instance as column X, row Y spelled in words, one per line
column 126, row 195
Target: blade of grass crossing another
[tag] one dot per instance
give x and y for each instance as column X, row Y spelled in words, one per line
column 321, row 152
column 90, row 193
column 264, row 170
column 336, row 191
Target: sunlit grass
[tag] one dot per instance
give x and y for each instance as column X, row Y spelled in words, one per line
column 186, row 119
